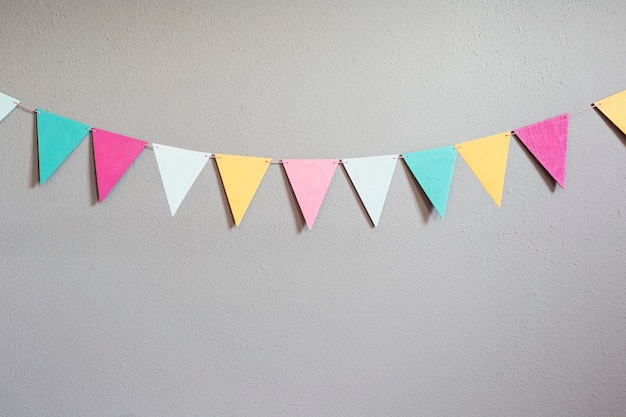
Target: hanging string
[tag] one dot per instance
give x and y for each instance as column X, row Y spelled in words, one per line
column 583, row 110
column 280, row 161
column 23, row 107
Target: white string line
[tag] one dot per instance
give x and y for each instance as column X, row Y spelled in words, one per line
column 584, row 110
column 23, row 107
column 280, row 161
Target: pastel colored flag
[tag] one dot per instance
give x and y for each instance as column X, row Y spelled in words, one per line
column 113, row 155
column 614, row 108
column 57, row 137
column 241, row 176
column 179, row 169
column 487, row 157
column 547, row 141
column 309, row 179
column 433, row 170
column 7, row 104
column 371, row 177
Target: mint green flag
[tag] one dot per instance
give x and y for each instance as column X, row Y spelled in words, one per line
column 57, row 137
column 433, row 169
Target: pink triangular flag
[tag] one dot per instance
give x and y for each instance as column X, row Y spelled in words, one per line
column 309, row 179
column 113, row 155
column 547, row 141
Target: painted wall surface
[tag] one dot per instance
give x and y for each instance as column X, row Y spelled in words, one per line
column 118, row 309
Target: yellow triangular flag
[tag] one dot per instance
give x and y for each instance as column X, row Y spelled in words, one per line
column 614, row 108
column 241, row 176
column 487, row 159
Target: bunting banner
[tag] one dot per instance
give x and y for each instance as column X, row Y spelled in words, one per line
column 241, row 177
column 7, row 104
column 487, row 159
column 309, row 179
column 113, row 154
column 179, row 169
column 614, row 108
column 371, row 178
column 433, row 170
column 57, row 137
column 547, row 141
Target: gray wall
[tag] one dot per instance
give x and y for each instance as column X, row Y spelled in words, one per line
column 118, row 309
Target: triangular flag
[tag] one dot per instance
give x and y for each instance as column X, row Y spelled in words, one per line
column 371, row 177
column 433, row 170
column 547, row 141
column 309, row 179
column 7, row 104
column 614, row 108
column 57, row 137
column 179, row 169
column 113, row 155
column 241, row 176
column 487, row 159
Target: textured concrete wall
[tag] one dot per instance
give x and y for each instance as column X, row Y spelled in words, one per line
column 118, row 309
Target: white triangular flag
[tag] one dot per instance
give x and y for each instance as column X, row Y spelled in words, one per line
column 371, row 177
column 179, row 169
column 7, row 104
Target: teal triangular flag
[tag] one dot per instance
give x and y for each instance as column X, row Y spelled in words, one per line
column 433, row 169
column 57, row 137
